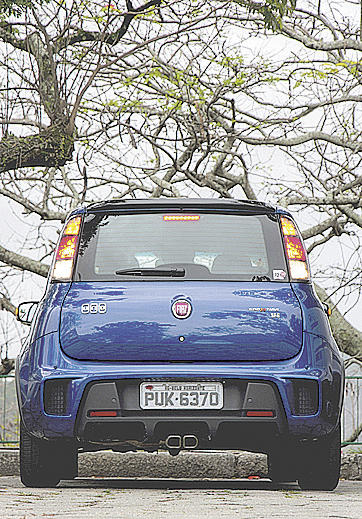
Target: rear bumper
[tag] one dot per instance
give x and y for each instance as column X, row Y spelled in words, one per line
column 227, row 428
column 324, row 370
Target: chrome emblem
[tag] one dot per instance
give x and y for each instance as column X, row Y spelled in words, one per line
column 181, row 309
column 93, row 308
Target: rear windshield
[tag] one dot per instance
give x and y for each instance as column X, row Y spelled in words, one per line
column 198, row 246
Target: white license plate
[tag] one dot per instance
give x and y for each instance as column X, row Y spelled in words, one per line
column 181, row 395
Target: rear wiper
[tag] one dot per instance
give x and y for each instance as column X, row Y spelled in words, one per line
column 260, row 278
column 174, row 273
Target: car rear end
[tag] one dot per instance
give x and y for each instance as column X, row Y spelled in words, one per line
column 181, row 324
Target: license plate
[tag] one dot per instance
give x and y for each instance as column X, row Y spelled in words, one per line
column 181, row 395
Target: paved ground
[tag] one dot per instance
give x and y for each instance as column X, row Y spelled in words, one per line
column 177, row 499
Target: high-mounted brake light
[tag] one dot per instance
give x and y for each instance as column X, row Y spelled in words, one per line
column 66, row 251
column 181, row 217
column 294, row 248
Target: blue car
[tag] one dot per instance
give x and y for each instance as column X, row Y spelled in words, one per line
column 180, row 324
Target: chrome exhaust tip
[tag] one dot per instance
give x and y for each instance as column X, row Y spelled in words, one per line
column 174, row 441
column 189, row 441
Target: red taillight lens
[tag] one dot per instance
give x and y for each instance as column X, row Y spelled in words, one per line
column 294, row 248
column 67, row 247
column 66, row 251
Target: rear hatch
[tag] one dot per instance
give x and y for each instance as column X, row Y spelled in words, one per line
column 181, row 286
column 229, row 322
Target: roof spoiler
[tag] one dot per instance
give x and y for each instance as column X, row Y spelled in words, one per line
column 181, row 204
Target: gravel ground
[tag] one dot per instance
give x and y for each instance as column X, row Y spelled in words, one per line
column 133, row 498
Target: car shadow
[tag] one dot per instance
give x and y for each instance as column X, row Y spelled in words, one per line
column 231, row 484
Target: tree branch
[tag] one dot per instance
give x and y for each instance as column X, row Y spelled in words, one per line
column 14, row 259
column 43, row 212
column 327, row 200
column 315, row 44
column 6, row 304
column 301, row 139
column 321, row 227
column 52, row 147
column 110, row 38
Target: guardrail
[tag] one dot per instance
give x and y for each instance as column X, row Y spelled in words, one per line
column 352, row 412
column 351, row 415
column 9, row 414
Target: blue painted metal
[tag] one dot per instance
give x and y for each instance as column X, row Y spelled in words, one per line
column 229, row 322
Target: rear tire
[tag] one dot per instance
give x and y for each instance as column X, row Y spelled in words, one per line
column 44, row 463
column 321, row 463
column 282, row 464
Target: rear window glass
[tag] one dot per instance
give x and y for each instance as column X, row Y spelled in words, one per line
column 205, row 246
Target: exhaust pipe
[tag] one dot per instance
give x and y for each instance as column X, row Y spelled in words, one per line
column 174, row 441
column 189, row 441
column 177, row 442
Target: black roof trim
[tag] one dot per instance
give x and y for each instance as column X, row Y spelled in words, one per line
column 179, row 204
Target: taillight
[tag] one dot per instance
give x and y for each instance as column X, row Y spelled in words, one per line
column 66, row 251
column 295, row 251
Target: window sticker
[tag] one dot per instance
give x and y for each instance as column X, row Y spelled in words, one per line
column 205, row 258
column 279, row 274
column 258, row 263
column 146, row 259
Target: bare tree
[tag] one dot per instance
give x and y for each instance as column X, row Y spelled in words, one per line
column 198, row 98
column 52, row 55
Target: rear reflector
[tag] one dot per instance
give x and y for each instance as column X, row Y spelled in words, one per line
column 181, row 217
column 103, row 413
column 259, row 413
